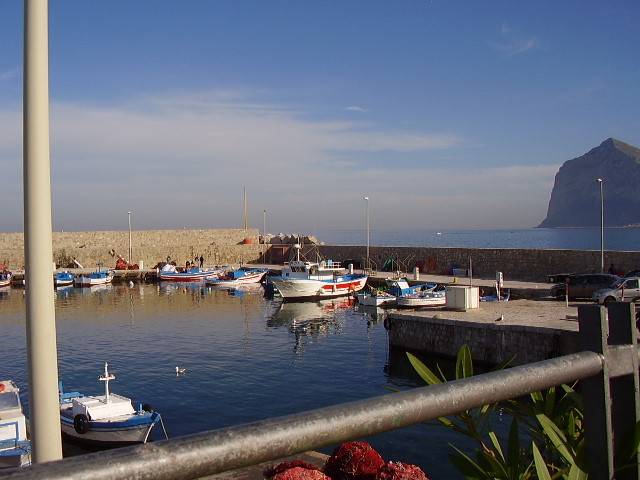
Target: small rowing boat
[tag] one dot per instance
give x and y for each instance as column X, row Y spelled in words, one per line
column 99, row 277
column 169, row 273
column 238, row 277
column 61, row 279
column 5, row 278
column 376, row 298
column 426, row 298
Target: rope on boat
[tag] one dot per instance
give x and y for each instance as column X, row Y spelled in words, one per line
column 164, row 429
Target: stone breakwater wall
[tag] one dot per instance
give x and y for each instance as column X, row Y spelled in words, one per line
column 217, row 246
column 515, row 264
column 490, row 343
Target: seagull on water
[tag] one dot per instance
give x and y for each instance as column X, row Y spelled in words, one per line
column 180, row 371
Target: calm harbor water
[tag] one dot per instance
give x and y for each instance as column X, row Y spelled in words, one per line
column 562, row 238
column 247, row 358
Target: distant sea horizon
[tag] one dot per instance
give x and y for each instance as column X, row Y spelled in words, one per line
column 584, row 238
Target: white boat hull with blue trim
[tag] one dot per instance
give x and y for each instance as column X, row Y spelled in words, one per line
column 237, row 278
column 107, row 420
column 91, row 279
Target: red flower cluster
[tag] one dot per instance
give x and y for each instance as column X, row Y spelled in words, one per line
column 350, row 461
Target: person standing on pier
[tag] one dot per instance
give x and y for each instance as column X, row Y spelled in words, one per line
column 201, row 261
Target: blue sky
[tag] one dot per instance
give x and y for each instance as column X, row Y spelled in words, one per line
column 447, row 114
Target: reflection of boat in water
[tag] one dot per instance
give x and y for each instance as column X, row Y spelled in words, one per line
column 299, row 313
column 95, row 289
column 169, row 288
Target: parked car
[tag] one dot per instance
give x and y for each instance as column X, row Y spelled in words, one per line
column 624, row 290
column 584, row 285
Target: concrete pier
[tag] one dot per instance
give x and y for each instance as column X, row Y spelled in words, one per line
column 525, row 330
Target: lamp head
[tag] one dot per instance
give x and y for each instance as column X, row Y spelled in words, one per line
column 599, row 180
column 366, row 198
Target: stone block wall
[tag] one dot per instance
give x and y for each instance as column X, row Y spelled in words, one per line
column 217, row 246
column 489, row 343
column 515, row 264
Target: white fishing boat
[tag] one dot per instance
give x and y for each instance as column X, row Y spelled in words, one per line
column 238, row 277
column 107, row 420
column 306, row 280
column 376, row 298
column 99, row 277
column 426, row 298
column 15, row 448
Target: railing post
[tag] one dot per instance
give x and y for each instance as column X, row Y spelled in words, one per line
column 594, row 334
column 625, row 397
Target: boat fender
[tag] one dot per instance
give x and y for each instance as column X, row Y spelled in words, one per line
column 386, row 323
column 147, row 408
column 81, row 423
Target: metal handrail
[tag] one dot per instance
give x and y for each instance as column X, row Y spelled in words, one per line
column 216, row 451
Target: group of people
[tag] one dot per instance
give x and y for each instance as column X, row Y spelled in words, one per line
column 197, row 261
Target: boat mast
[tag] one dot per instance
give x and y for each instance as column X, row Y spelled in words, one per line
column 107, row 376
column 244, row 215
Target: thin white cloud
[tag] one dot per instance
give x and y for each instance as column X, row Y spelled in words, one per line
column 513, row 43
column 9, row 74
column 356, row 108
column 180, row 159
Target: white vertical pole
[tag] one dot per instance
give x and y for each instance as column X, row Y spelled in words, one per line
column 130, row 251
column 264, row 226
column 600, row 181
column 367, row 200
column 41, row 323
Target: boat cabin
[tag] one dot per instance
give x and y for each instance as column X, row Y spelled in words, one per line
column 98, row 408
column 13, row 426
column 298, row 269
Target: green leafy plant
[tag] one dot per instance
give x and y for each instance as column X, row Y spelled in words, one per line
column 552, row 421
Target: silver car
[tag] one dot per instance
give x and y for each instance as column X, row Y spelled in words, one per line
column 624, row 290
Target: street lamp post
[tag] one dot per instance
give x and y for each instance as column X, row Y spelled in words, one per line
column 600, row 182
column 130, row 254
column 264, row 226
column 366, row 199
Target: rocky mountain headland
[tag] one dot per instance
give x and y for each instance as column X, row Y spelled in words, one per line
column 575, row 198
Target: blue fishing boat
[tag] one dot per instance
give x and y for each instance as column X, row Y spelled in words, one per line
column 107, row 420
column 99, row 277
column 61, row 279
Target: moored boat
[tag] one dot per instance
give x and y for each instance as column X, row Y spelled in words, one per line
column 495, row 298
column 169, row 273
column 5, row 278
column 425, row 298
column 376, row 298
column 238, row 277
column 106, row 420
column 306, row 280
column 15, row 448
column 100, row 277
column 61, row 279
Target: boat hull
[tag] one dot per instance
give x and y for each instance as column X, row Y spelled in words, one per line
column 375, row 301
column 15, row 458
column 107, row 433
column 5, row 283
column 246, row 280
column 414, row 302
column 187, row 277
column 87, row 281
column 311, row 289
